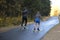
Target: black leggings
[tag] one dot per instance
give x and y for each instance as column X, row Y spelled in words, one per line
column 24, row 20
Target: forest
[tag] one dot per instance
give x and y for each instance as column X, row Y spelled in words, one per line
column 10, row 10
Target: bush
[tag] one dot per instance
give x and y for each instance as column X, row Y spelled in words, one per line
column 10, row 21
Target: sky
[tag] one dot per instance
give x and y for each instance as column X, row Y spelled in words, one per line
column 55, row 5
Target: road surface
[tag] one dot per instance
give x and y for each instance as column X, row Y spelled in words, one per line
column 28, row 34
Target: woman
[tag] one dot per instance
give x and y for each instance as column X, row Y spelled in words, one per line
column 37, row 21
column 24, row 17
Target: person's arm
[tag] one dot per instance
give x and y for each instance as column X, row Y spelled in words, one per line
column 41, row 17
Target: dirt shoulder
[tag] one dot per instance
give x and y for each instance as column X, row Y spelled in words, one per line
column 53, row 34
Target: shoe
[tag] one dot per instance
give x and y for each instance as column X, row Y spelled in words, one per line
column 34, row 30
column 24, row 27
column 38, row 29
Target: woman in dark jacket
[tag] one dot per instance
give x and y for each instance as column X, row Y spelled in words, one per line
column 24, row 17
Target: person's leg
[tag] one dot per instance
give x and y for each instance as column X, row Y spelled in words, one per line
column 22, row 21
column 38, row 26
column 26, row 21
column 35, row 24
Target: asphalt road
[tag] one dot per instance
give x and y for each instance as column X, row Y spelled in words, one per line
column 28, row 34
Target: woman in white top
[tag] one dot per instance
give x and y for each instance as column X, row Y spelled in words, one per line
column 37, row 21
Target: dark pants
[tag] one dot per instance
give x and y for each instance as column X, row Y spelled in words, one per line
column 24, row 21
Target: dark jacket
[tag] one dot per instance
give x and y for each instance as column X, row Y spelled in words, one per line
column 24, row 13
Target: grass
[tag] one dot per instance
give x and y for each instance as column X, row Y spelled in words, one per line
column 11, row 21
